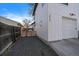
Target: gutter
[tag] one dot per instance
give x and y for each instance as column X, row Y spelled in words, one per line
column 35, row 6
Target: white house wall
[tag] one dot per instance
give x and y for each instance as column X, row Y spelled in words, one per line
column 41, row 20
column 75, row 6
column 49, row 19
column 55, row 13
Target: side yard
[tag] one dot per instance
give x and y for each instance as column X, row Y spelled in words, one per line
column 30, row 46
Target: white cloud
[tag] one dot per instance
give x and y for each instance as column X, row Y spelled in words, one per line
column 17, row 17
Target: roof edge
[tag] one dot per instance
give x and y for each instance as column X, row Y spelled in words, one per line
column 35, row 6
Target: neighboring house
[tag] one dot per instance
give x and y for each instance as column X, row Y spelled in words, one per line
column 9, row 31
column 9, row 22
column 56, row 21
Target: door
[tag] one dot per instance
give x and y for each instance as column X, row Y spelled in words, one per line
column 69, row 28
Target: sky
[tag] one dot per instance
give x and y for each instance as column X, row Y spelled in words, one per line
column 16, row 11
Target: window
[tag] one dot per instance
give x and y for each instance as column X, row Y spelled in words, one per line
column 65, row 3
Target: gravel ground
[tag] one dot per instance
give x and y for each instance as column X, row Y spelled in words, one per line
column 29, row 46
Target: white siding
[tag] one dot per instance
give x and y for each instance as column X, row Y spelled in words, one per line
column 50, row 17
column 41, row 20
column 57, row 11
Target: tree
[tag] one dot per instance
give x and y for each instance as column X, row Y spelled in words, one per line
column 26, row 23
